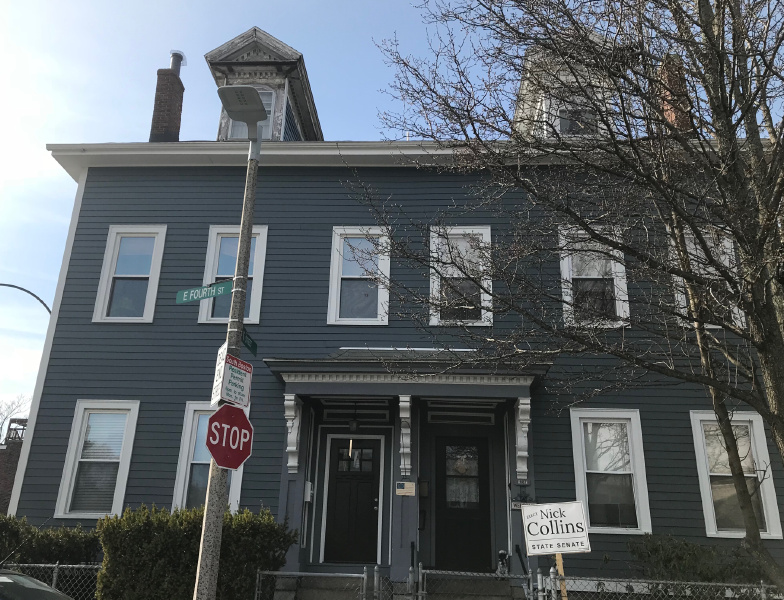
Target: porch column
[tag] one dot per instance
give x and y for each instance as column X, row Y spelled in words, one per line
column 405, row 509
column 292, row 477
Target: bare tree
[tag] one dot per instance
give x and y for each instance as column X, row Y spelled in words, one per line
column 10, row 409
column 635, row 145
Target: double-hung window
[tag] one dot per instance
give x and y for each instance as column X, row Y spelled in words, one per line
column 719, row 499
column 593, row 283
column 715, row 304
column 239, row 130
column 193, row 467
column 358, row 271
column 460, row 286
column 130, row 273
column 574, row 120
column 610, row 469
column 97, row 459
column 220, row 264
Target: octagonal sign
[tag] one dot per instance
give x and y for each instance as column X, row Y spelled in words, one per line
column 229, row 437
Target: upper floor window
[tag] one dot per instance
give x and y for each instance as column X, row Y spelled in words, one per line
column 358, row 268
column 130, row 273
column 239, row 130
column 574, row 120
column 593, row 283
column 193, row 467
column 715, row 303
column 719, row 500
column 220, row 265
column 610, row 469
column 97, row 459
column 459, row 284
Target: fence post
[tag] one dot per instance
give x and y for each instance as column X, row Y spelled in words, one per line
column 376, row 583
column 539, row 584
column 763, row 594
column 363, row 591
column 422, row 590
column 553, row 584
column 54, row 574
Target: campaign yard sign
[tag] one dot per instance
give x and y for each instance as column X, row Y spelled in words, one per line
column 555, row 528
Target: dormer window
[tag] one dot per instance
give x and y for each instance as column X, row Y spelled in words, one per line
column 239, row 130
column 577, row 121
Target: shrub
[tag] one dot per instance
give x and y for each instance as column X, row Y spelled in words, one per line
column 668, row 557
column 24, row 543
column 151, row 554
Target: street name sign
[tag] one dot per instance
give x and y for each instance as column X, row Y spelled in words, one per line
column 232, row 379
column 248, row 342
column 205, row 292
column 555, row 528
column 229, row 437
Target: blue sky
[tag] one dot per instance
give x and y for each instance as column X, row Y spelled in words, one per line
column 85, row 71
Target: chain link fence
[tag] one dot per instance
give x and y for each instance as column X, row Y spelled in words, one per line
column 586, row 588
column 77, row 581
column 449, row 584
column 276, row 585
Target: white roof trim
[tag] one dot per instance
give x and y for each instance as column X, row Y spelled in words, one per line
column 76, row 158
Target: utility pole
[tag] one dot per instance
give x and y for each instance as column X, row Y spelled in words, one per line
column 241, row 103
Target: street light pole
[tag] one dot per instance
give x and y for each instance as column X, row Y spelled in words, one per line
column 242, row 103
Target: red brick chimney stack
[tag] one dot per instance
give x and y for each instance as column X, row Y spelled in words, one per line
column 167, row 111
column 674, row 96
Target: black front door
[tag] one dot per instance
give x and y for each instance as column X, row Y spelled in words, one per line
column 353, row 501
column 462, row 503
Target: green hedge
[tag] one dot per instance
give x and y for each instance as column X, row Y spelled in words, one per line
column 151, row 554
column 668, row 557
column 24, row 543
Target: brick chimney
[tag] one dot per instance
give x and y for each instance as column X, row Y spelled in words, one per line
column 674, row 96
column 167, row 111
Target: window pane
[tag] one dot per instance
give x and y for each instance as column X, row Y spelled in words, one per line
column 134, row 256
column 103, row 436
column 197, row 485
column 462, row 460
column 461, row 300
column 200, row 452
column 577, row 121
column 94, row 487
column 718, row 461
column 227, row 256
column 606, row 447
column 360, row 258
column 460, row 250
column 593, row 298
column 128, row 297
column 358, row 299
column 462, row 492
column 727, row 507
column 221, row 305
column 611, row 500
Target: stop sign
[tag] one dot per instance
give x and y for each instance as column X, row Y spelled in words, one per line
column 229, row 437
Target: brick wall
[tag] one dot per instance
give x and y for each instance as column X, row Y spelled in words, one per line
column 167, row 110
column 9, row 457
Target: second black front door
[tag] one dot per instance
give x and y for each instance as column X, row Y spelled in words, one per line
column 353, row 501
column 462, row 503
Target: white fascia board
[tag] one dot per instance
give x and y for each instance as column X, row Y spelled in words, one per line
column 76, row 158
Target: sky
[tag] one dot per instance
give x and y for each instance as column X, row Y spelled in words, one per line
column 85, row 72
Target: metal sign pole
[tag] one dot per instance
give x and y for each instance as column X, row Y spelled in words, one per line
column 217, row 487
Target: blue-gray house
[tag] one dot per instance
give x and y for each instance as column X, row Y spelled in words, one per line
column 375, row 452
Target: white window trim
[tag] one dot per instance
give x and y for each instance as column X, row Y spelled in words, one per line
column 83, row 408
column 619, row 279
column 192, row 410
column 761, row 457
column 116, row 232
column 211, row 265
column 486, row 320
column 336, row 273
column 608, row 415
